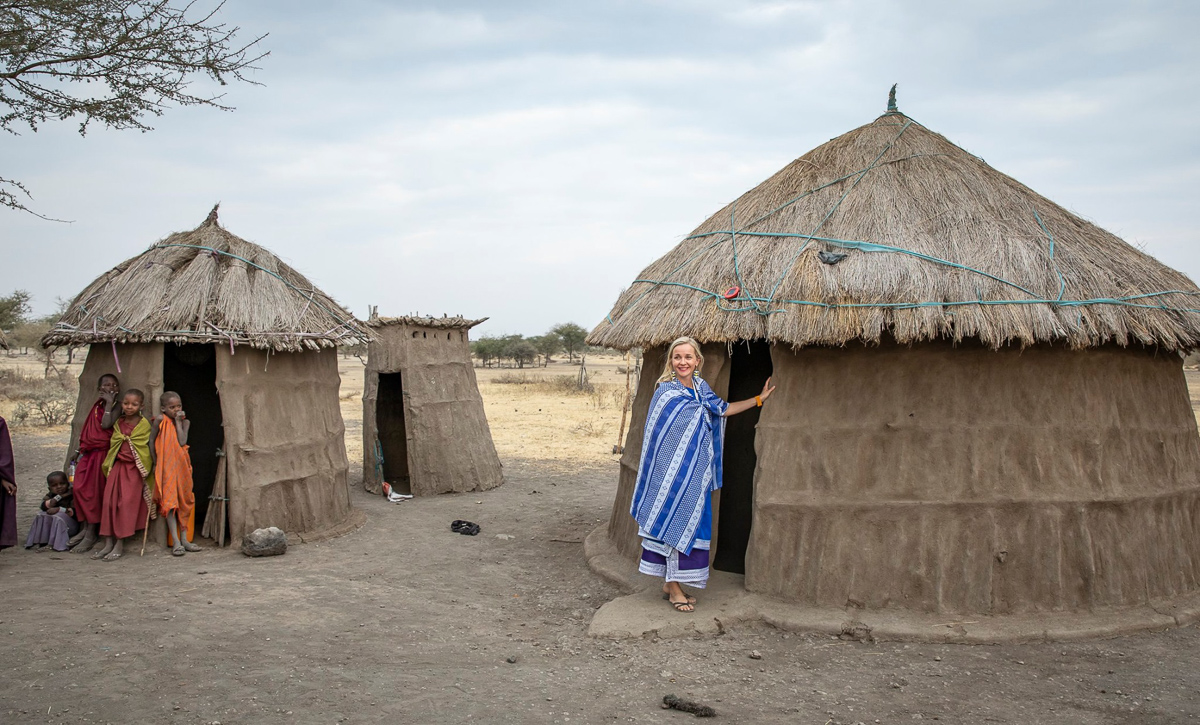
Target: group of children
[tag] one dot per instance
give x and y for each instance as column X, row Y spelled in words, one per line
column 127, row 469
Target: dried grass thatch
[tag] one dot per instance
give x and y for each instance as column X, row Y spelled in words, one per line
column 3, row 341
column 206, row 286
column 937, row 244
column 437, row 323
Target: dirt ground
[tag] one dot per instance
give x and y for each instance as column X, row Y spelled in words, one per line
column 404, row 621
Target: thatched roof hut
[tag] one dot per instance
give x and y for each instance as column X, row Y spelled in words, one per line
column 249, row 343
column 981, row 404
column 206, row 286
column 938, row 245
column 424, row 428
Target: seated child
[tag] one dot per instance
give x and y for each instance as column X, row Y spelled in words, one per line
column 173, row 471
column 129, row 472
column 55, row 524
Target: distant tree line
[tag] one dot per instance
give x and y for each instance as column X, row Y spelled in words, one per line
column 563, row 339
column 23, row 330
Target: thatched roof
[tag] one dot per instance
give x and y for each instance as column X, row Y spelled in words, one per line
column 437, row 323
column 936, row 244
column 206, row 286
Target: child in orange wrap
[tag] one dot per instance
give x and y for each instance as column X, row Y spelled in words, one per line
column 173, row 470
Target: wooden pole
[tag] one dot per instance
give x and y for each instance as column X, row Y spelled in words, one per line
column 145, row 532
column 222, row 485
column 210, row 517
column 620, row 446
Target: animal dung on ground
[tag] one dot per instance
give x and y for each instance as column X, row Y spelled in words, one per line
column 670, row 702
column 270, row 541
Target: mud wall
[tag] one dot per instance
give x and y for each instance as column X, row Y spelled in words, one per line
column 141, row 368
column 284, row 440
column 450, row 445
column 963, row 480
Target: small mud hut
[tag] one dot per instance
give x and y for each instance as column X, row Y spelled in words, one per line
column 981, row 406
column 424, row 429
column 250, row 346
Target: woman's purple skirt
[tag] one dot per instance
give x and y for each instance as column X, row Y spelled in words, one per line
column 54, row 530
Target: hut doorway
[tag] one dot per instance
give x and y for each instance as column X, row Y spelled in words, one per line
column 750, row 366
column 191, row 371
column 392, row 430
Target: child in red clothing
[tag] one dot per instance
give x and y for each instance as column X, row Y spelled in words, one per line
column 94, row 441
column 129, row 469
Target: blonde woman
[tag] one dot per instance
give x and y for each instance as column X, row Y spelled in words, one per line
column 680, row 468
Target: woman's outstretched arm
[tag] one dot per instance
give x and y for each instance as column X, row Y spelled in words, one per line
column 742, row 406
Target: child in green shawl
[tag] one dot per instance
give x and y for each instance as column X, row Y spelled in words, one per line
column 129, row 483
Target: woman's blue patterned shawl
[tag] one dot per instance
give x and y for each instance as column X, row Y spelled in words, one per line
column 681, row 462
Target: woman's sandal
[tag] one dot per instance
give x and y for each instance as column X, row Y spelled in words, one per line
column 690, row 598
column 679, row 607
column 177, row 550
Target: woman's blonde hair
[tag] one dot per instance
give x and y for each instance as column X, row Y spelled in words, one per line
column 668, row 371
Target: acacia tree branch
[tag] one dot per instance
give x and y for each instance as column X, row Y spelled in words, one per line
column 112, row 62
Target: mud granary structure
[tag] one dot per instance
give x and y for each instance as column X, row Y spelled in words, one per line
column 424, row 428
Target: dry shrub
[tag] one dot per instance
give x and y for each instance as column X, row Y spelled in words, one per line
column 559, row 384
column 608, row 396
column 588, row 429
column 514, row 378
column 40, row 401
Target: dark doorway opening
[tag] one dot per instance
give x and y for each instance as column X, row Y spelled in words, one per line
column 191, row 371
column 393, row 431
column 750, row 366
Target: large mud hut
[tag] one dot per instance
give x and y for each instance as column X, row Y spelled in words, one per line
column 981, row 406
column 424, row 427
column 250, row 345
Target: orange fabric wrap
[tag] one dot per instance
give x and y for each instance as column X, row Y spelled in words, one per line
column 172, row 472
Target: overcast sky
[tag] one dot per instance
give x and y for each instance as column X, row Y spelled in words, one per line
column 524, row 160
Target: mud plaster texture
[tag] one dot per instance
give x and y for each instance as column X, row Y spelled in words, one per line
column 284, row 436
column 441, row 426
column 936, row 479
column 403, row 621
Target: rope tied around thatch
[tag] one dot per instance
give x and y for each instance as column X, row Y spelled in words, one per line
column 203, row 286
column 742, row 299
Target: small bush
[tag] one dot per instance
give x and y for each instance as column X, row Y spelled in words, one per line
column 560, row 384
column 588, row 429
column 49, row 407
column 16, row 384
column 40, row 401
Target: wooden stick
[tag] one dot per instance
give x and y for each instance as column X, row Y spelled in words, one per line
column 209, row 529
column 620, row 446
column 222, row 485
column 145, row 532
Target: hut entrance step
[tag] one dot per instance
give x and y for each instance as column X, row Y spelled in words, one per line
column 191, row 370
column 750, row 366
column 391, row 424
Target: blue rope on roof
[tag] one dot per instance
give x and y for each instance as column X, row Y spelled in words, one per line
column 748, row 302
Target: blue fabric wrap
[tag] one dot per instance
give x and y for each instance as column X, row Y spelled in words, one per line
column 681, row 465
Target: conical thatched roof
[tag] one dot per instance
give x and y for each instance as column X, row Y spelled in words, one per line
column 936, row 244
column 206, row 286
